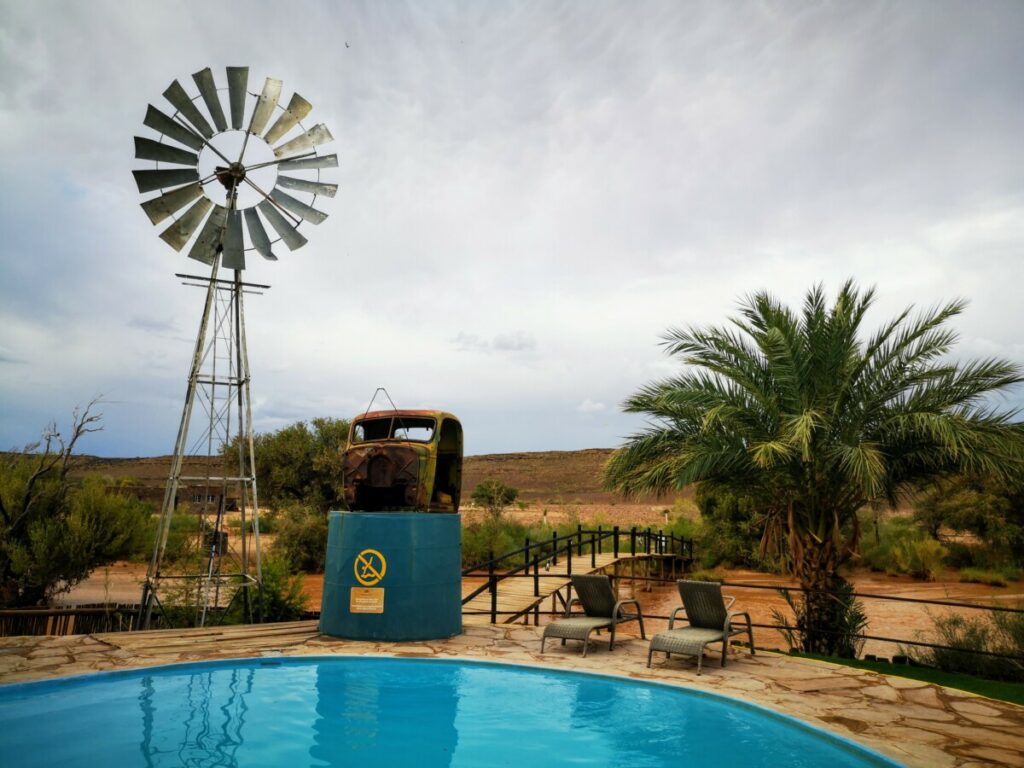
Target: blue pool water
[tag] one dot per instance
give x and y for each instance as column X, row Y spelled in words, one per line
column 375, row 713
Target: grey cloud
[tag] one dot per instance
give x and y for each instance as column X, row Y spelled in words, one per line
column 514, row 341
column 155, row 325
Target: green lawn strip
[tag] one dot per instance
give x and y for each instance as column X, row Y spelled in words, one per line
column 993, row 689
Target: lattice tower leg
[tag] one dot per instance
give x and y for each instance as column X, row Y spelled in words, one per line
column 219, row 380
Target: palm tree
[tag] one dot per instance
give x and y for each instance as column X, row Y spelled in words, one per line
column 816, row 421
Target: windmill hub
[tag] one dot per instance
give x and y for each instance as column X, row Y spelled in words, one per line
column 230, row 176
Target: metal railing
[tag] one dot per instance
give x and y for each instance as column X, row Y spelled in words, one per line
column 641, row 543
column 781, row 588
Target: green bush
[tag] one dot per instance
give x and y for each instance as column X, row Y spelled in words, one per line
column 899, row 545
column 998, row 632
column 704, row 575
column 181, row 539
column 281, row 598
column 494, row 496
column 301, row 538
column 921, row 558
column 999, row 578
column 53, row 532
column 845, row 617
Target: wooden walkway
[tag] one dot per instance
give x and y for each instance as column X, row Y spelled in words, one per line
column 201, row 641
column 518, row 596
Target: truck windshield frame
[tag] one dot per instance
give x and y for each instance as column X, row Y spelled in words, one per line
column 416, row 429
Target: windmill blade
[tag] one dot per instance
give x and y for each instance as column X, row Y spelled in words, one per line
column 233, row 255
column 148, row 181
column 258, row 235
column 208, row 90
column 314, row 137
column 171, row 128
column 177, row 96
column 207, row 245
column 297, row 207
column 289, row 234
column 147, row 149
column 159, row 208
column 181, row 231
column 297, row 109
column 314, row 187
column 309, row 163
column 265, row 105
column 238, row 79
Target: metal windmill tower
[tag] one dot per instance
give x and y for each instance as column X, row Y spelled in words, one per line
column 212, row 172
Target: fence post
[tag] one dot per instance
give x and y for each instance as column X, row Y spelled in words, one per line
column 615, row 541
column 661, row 542
column 599, row 547
column 526, row 555
column 492, row 585
column 554, row 547
column 593, row 550
column 632, row 541
column 579, row 539
column 536, row 576
column 568, row 557
column 647, row 541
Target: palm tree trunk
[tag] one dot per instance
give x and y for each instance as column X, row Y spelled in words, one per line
column 821, row 621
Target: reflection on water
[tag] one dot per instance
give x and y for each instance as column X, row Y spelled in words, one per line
column 385, row 716
column 209, row 720
column 346, row 714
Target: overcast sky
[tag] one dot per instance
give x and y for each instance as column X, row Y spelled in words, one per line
column 530, row 194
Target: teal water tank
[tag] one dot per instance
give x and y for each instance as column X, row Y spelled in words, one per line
column 393, row 576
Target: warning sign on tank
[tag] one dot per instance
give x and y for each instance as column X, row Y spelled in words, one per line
column 370, row 567
column 366, row 600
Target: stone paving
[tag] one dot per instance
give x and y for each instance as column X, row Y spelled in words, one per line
column 914, row 723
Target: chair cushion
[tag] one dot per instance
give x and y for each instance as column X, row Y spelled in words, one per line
column 576, row 628
column 688, row 640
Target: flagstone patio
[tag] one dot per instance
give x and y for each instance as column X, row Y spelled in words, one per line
column 915, row 723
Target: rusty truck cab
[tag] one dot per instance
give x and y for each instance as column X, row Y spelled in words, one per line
column 404, row 461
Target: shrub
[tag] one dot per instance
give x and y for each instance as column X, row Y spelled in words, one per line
column 494, row 496
column 301, row 538
column 899, row 545
column 704, row 575
column 731, row 531
column 181, row 538
column 998, row 632
column 52, row 532
column 846, row 619
column 997, row 578
column 921, row 558
column 281, row 598
column 979, row 576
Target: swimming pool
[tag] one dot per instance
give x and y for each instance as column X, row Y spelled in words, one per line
column 382, row 712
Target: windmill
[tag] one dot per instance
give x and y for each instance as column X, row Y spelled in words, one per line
column 220, row 177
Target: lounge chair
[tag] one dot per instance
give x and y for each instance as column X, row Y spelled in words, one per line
column 601, row 608
column 710, row 622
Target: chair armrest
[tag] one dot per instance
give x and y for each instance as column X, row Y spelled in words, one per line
column 672, row 618
column 729, row 602
column 730, row 616
column 618, row 607
column 569, row 605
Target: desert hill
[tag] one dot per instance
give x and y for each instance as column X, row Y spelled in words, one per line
column 556, row 477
